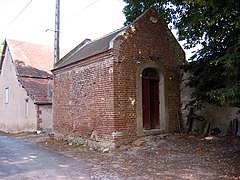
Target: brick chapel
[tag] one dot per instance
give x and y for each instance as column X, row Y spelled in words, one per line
column 112, row 90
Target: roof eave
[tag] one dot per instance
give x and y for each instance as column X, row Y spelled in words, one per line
column 111, row 43
column 43, row 103
column 61, row 67
column 3, row 54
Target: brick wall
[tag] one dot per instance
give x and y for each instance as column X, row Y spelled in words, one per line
column 83, row 99
column 145, row 42
column 97, row 98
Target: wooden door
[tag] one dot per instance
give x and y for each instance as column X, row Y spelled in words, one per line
column 146, row 103
column 150, row 99
column 154, row 104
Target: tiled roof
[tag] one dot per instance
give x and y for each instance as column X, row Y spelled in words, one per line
column 34, row 55
column 88, row 49
column 38, row 89
column 30, row 71
column 33, row 63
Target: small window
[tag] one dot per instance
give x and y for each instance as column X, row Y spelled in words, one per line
column 6, row 95
column 26, row 108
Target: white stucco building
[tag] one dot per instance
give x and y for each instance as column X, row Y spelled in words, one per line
column 25, row 87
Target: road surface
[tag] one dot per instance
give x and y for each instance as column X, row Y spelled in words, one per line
column 22, row 160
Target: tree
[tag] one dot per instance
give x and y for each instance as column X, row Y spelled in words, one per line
column 135, row 8
column 214, row 24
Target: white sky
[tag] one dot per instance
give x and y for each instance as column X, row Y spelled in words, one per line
column 79, row 19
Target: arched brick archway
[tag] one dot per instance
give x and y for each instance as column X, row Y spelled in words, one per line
column 152, row 106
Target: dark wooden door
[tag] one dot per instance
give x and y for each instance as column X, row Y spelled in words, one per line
column 154, row 104
column 150, row 98
column 146, row 103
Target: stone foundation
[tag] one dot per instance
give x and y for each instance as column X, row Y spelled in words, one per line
column 103, row 146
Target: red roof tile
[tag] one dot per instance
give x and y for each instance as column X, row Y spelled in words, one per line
column 33, row 63
column 37, row 56
column 38, row 89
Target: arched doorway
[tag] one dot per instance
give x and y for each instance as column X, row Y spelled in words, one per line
column 150, row 99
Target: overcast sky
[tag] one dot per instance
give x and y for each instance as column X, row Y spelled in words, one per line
column 34, row 20
column 28, row 20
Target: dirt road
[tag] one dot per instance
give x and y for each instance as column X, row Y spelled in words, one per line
column 171, row 156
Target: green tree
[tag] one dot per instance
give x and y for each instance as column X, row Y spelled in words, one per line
column 135, row 8
column 214, row 24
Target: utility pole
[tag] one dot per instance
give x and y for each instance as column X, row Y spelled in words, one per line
column 57, row 32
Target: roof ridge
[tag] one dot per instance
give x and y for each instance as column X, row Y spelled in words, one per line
column 27, row 42
column 108, row 34
column 74, row 50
